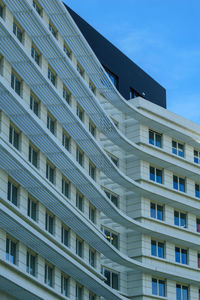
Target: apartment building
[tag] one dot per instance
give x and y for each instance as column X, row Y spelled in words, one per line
column 99, row 195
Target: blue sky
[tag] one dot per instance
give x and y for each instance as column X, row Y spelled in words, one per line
column 160, row 36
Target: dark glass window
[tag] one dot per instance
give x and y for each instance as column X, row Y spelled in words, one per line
column 48, row 276
column 92, row 171
column 197, row 190
column 66, row 140
column 180, row 255
column 65, row 285
column 177, row 148
column 92, row 258
column 79, row 112
column 1, row 10
column 50, row 172
column 92, row 296
column 79, row 201
column 11, row 251
column 35, row 54
column 158, row 287
column 49, row 223
column 30, row 263
column 65, row 236
column 181, row 292
column 52, row 76
column 37, row 7
column 92, row 128
column 79, row 292
column 14, row 137
column 157, row 211
column 80, row 70
column 113, row 197
column 65, row 187
column 34, row 104
column 79, row 247
column 155, row 175
column 32, row 209
column 15, row 84
column 155, row 138
column 198, row 260
column 198, row 225
column 180, row 219
column 92, row 213
column 178, row 183
column 33, row 156
column 113, row 78
column 53, row 29
column 79, row 156
column 67, row 50
column 196, row 157
column 66, row 95
column 92, row 87
column 12, row 193
column 51, row 124
column 133, row 94
column 112, row 278
column 17, row 31
column 112, row 237
column 157, row 249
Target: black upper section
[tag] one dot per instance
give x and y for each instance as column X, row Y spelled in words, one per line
column 129, row 75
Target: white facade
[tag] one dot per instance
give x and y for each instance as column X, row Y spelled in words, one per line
column 91, row 185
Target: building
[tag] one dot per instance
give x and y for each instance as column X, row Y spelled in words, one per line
column 100, row 196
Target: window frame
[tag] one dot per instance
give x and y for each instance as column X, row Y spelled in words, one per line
column 79, row 247
column 80, row 156
column 92, row 170
column 11, row 245
column 155, row 138
column 92, row 128
column 176, row 149
column 80, row 201
column 157, row 245
column 180, row 215
column 33, row 151
column 32, row 212
column 52, row 76
column 158, row 291
column 155, row 176
column 53, row 29
column 65, row 285
column 111, row 236
column 92, row 213
column 181, row 291
column 16, row 83
column 49, row 274
column 80, row 112
column 13, row 192
column 18, row 31
column 179, row 183
column 31, row 258
column 92, row 257
column 66, row 140
column 65, row 240
column 112, row 272
column 49, row 222
column 179, row 258
column 34, row 104
column 112, row 195
column 156, row 211
column 66, row 187
column 50, row 172
column 66, row 95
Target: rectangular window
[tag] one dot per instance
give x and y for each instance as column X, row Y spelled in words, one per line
column 79, row 156
column 37, row 7
column 79, row 247
column 66, row 94
column 196, row 157
column 177, row 148
column 181, row 255
column 133, row 94
column 16, row 83
column 113, row 197
column 178, row 183
column 180, row 219
column 51, row 123
column 34, row 104
column 112, row 77
column 17, row 31
column 32, row 209
column 1, row 11
column 92, row 296
column 50, row 173
column 92, row 213
column 114, row 159
column 112, row 237
column 158, row 287
column 197, row 190
column 30, row 263
column 92, row 171
column 66, row 140
column 92, row 87
column 157, row 249
column 14, row 136
column 49, row 223
column 11, row 251
column 112, row 278
column 48, row 276
column 79, row 201
column 155, row 174
column 67, row 50
column 65, row 285
column 182, row 292
column 12, row 193
column 155, row 138
column 80, row 112
column 80, row 70
column 92, row 128
column 53, row 29
column 35, row 53
column 198, row 260
column 52, row 76
column 92, row 257
column 157, row 211
column 198, row 225
column 65, row 187
column 65, row 236
column 33, row 156
column 79, row 292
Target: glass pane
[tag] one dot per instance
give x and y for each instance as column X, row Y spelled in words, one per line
column 107, row 275
column 158, row 140
column 161, row 250
column 178, row 292
column 154, row 286
column 13, row 253
column 183, row 220
column 115, row 240
column 153, row 210
column 158, row 176
column 184, row 256
column 151, row 137
column 14, row 195
column 176, row 218
column 115, row 280
column 177, row 255
column 185, row 293
column 181, row 184
column 152, row 173
column 198, row 225
column 33, row 210
column 153, row 248
column 161, row 288
column 159, row 212
column 175, row 182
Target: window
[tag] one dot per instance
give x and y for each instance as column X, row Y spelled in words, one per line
column 196, row 157
column 52, row 76
column 66, row 140
column 92, row 87
column 181, row 292
column 35, row 54
column 79, row 247
column 114, row 159
column 113, row 197
column 79, row 156
column 12, row 193
column 157, row 249
column 15, row 83
column 67, row 50
column 53, row 29
column 197, row 190
column 157, row 211
column 133, row 94
column 65, row 285
column 51, row 123
column 155, row 138
column 79, row 292
column 1, row 65
column 111, row 236
column 198, row 260
column 14, row 136
column 92, row 213
column 50, row 172
column 65, row 235
column 92, row 257
column 180, row 219
column 92, row 128
column 198, row 225
column 177, row 148
column 181, row 255
column 112, row 77
column 30, row 263
column 158, row 287
column 155, row 175
column 37, row 7
column 1, row 10
column 66, row 94
column 112, row 278
column 11, row 251
column 178, row 183
column 17, row 31
column 34, row 104
column 32, row 209
column 33, row 156
column 80, row 70
column 48, row 275
column 79, row 112
column 65, row 187
column 92, row 171
column 79, row 201
column 92, row 296
column 49, row 222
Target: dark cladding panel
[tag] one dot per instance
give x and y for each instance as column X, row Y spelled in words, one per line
column 129, row 75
